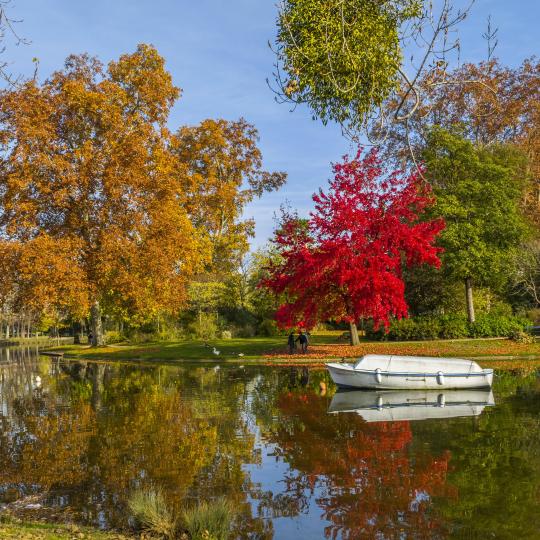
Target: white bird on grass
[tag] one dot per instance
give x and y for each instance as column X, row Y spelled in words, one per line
column 240, row 354
column 216, row 352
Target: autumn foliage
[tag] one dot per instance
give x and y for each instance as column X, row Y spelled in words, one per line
column 101, row 207
column 345, row 262
column 361, row 475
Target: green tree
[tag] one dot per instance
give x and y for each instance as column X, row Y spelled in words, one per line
column 478, row 194
column 340, row 57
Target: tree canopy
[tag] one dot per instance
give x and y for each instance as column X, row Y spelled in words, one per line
column 493, row 104
column 340, row 57
column 100, row 206
column 345, row 263
column 478, row 192
column 221, row 165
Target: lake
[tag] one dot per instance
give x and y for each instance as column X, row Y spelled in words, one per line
column 297, row 459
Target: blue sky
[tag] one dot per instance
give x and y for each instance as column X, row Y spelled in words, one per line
column 218, row 54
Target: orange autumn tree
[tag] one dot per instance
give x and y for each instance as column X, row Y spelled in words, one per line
column 87, row 180
column 221, row 165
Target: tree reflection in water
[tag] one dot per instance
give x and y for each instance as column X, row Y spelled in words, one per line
column 87, row 434
column 361, row 475
column 92, row 433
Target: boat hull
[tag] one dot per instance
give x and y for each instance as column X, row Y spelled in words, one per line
column 398, row 405
column 346, row 375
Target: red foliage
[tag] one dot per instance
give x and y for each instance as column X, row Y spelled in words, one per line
column 368, row 481
column 346, row 263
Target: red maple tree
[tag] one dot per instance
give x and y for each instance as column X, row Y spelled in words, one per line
column 345, row 262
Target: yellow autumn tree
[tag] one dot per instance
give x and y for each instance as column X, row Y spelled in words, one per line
column 220, row 164
column 93, row 210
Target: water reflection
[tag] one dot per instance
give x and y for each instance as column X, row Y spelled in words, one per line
column 390, row 405
column 87, row 434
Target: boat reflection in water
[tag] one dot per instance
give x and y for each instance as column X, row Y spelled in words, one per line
column 396, row 405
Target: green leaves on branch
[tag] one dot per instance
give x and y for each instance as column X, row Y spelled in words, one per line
column 341, row 57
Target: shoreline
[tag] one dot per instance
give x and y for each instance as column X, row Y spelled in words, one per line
column 490, row 352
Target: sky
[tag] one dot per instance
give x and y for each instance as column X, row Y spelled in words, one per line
column 218, row 53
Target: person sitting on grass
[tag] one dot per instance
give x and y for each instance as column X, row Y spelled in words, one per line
column 302, row 338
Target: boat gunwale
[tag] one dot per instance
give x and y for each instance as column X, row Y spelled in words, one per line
column 482, row 373
column 427, row 405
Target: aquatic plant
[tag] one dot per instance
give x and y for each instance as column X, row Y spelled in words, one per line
column 151, row 511
column 209, row 520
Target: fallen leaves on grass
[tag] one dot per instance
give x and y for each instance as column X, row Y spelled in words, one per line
column 471, row 348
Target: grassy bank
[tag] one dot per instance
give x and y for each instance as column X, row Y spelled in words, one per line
column 322, row 346
column 45, row 531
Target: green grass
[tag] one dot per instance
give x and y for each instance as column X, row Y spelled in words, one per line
column 45, row 531
column 251, row 348
column 325, row 345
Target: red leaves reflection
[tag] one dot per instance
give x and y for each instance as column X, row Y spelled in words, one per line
column 370, row 480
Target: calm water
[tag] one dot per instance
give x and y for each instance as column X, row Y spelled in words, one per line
column 277, row 444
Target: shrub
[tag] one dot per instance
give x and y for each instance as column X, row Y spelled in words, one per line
column 204, row 327
column 414, row 329
column 268, row 328
column 371, row 333
column 427, row 328
column 453, row 326
column 112, row 336
column 209, row 520
column 226, row 334
column 496, row 326
column 142, row 337
column 243, row 331
column 402, row 330
column 520, row 336
column 170, row 334
column 151, row 511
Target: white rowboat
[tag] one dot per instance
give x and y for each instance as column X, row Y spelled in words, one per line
column 399, row 405
column 385, row 371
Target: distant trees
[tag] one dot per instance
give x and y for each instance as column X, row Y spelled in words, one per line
column 496, row 109
column 345, row 263
column 101, row 208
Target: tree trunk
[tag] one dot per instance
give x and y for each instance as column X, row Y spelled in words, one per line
column 77, row 330
column 98, row 371
column 354, row 334
column 96, row 325
column 469, row 299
